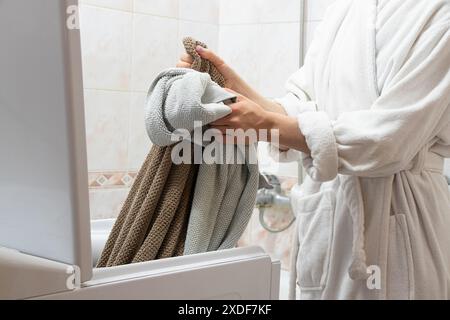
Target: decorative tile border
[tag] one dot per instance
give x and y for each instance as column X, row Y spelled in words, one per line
column 109, row 180
column 124, row 179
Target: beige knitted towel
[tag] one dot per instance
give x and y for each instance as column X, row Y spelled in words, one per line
column 200, row 64
column 154, row 218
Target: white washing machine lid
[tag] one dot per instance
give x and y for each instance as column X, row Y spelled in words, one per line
column 44, row 200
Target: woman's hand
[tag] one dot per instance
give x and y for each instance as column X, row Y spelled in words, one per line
column 268, row 126
column 246, row 115
column 232, row 79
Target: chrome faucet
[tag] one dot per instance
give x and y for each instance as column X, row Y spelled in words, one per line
column 271, row 196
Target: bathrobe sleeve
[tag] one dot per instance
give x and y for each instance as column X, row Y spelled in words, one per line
column 384, row 138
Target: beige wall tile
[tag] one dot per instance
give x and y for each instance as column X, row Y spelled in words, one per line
column 240, row 47
column 106, row 204
column 315, row 9
column 139, row 143
column 155, row 46
column 206, row 33
column 106, row 48
column 240, row 12
column 280, row 11
column 165, row 8
column 279, row 58
column 107, row 118
column 200, row 10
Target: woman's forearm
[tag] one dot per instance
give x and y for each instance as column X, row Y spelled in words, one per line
column 289, row 134
column 252, row 111
column 232, row 79
column 246, row 90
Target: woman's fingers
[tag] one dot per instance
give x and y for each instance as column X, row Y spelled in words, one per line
column 182, row 64
column 239, row 96
column 210, row 55
column 226, row 138
column 225, row 121
column 185, row 61
column 220, row 123
column 187, row 58
column 233, row 139
column 232, row 91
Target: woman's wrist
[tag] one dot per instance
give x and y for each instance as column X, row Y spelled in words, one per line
column 266, row 104
column 242, row 87
column 270, row 123
column 284, row 132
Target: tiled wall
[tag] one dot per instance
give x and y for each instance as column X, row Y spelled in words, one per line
column 125, row 43
column 260, row 39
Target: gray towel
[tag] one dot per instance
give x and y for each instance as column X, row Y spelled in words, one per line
column 177, row 98
column 225, row 194
column 223, row 202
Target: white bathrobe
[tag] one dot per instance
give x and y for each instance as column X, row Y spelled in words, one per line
column 373, row 103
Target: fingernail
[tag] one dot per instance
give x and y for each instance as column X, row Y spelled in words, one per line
column 199, row 49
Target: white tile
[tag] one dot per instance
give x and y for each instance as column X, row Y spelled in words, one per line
column 126, row 5
column 155, row 44
column 107, row 120
column 106, row 203
column 106, row 48
column 240, row 11
column 279, row 58
column 199, row 10
column 165, row 8
column 206, row 33
column 310, row 31
column 280, row 11
column 240, row 47
column 316, row 9
column 139, row 144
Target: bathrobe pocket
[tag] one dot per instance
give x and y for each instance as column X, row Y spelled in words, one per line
column 400, row 280
column 315, row 214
